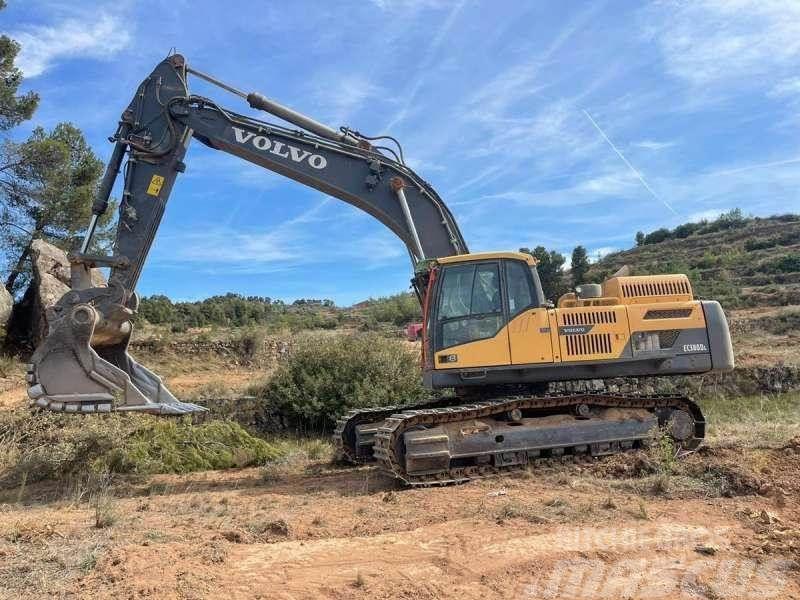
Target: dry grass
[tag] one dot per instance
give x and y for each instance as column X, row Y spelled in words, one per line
column 299, row 454
column 754, row 421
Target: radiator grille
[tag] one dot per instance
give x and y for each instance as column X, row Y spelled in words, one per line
column 589, row 317
column 675, row 313
column 672, row 287
column 592, row 343
column 667, row 337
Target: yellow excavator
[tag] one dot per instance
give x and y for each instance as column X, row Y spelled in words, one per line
column 488, row 333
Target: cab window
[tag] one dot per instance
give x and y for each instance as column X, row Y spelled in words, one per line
column 470, row 306
column 518, row 285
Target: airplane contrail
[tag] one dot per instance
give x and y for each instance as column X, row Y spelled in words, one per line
column 777, row 163
column 630, row 166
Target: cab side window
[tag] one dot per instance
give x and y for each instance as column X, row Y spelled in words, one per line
column 470, row 306
column 519, row 289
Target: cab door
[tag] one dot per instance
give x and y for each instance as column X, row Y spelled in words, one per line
column 529, row 325
column 470, row 324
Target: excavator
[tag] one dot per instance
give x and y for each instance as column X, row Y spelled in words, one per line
column 491, row 341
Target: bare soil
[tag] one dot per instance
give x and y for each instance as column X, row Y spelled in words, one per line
column 314, row 530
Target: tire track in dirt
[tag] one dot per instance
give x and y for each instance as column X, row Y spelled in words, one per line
column 469, row 559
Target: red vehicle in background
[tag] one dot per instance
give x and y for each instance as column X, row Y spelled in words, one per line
column 414, row 332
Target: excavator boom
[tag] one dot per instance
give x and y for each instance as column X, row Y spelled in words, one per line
column 83, row 365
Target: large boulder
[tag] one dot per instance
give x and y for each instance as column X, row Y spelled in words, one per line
column 50, row 281
column 50, row 262
column 6, row 304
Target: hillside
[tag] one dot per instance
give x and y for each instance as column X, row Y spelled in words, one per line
column 740, row 262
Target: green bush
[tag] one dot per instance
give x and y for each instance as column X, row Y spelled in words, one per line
column 37, row 446
column 787, row 321
column 789, row 263
column 760, row 244
column 399, row 309
column 327, row 375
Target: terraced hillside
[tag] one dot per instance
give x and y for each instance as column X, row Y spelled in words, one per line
column 744, row 263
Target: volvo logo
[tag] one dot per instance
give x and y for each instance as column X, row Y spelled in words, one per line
column 262, row 142
column 575, row 329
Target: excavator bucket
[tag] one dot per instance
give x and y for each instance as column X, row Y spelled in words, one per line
column 85, row 368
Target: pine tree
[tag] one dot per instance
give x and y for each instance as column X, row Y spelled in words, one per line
column 550, row 271
column 46, row 182
column 640, row 238
column 14, row 107
column 579, row 265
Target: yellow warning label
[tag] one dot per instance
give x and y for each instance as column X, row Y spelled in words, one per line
column 155, row 185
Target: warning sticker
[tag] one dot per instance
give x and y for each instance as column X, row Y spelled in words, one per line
column 155, row 185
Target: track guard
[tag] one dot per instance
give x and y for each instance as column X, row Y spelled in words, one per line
column 67, row 374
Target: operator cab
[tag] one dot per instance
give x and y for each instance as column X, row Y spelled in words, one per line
column 472, row 298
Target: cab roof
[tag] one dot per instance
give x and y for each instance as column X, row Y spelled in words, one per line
column 460, row 258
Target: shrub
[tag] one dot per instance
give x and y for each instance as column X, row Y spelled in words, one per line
column 760, row 244
column 399, row 309
column 177, row 446
column 36, row 446
column 250, row 344
column 789, row 263
column 785, row 322
column 327, row 375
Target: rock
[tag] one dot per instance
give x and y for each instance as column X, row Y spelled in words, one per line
column 52, row 261
column 51, row 280
column 765, row 490
column 706, row 549
column 6, row 304
column 767, row 518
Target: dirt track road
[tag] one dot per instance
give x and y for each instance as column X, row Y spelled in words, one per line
column 322, row 532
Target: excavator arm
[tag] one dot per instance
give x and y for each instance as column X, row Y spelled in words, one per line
column 83, row 365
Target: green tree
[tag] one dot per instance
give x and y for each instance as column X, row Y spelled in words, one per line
column 657, row 236
column 399, row 309
column 550, row 270
column 47, row 184
column 640, row 238
column 14, row 107
column 579, row 265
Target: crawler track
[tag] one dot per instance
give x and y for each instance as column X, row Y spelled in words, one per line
column 389, row 442
column 345, row 439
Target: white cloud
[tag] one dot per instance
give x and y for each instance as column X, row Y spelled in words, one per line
column 653, row 145
column 99, row 37
column 220, row 249
column 409, row 4
column 423, row 69
column 622, row 183
column 789, row 87
column 716, row 41
column 706, row 215
column 341, row 95
column 756, row 166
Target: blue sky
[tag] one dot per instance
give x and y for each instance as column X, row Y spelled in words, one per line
column 510, row 109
